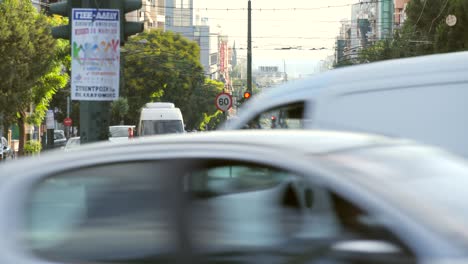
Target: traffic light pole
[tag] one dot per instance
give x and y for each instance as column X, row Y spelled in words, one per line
column 94, row 121
column 94, row 115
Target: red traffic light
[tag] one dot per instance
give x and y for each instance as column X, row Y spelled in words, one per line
column 247, row 95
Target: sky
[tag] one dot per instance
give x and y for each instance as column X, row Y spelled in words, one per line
column 309, row 24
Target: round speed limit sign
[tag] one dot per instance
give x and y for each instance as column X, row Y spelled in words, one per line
column 223, row 101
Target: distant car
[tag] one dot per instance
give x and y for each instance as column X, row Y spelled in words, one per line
column 238, row 197
column 59, row 139
column 421, row 98
column 72, row 144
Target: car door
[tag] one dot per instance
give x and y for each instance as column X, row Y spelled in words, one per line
column 182, row 207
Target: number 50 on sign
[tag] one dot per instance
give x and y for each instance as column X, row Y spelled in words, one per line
column 223, row 101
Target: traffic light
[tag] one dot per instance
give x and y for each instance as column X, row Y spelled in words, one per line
column 247, row 95
column 127, row 28
column 63, row 8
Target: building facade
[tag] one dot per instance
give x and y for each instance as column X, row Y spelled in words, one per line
column 371, row 20
column 268, row 76
column 400, row 15
column 385, row 15
column 152, row 14
column 180, row 19
column 179, row 13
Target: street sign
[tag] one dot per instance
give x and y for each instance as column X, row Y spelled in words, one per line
column 67, row 122
column 95, row 40
column 223, row 101
column 50, row 120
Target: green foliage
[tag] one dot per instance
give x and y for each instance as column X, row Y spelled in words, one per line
column 56, row 86
column 26, row 49
column 211, row 122
column 119, row 109
column 200, row 103
column 165, row 67
column 343, row 63
column 450, row 39
column 32, row 147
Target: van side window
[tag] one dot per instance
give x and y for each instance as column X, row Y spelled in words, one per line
column 284, row 117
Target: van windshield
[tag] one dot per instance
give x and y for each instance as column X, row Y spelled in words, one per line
column 156, row 127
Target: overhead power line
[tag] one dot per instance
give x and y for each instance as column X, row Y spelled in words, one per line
column 263, row 9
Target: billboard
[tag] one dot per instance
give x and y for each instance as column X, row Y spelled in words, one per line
column 95, row 41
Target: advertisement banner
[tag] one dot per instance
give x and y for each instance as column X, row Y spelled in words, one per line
column 222, row 57
column 95, row 54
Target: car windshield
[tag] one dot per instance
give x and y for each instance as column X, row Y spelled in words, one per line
column 156, row 127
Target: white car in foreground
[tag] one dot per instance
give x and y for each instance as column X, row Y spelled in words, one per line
column 237, row 197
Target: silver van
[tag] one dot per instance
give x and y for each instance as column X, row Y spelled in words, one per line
column 422, row 98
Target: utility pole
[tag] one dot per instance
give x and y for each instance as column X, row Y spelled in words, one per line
column 249, row 48
column 284, row 71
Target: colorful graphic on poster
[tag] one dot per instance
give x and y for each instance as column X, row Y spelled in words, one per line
column 95, row 54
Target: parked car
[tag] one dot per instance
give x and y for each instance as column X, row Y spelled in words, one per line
column 421, row 98
column 59, row 139
column 243, row 197
column 72, row 144
column 5, row 150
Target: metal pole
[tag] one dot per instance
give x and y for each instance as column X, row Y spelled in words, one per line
column 94, row 115
column 67, row 129
column 249, row 48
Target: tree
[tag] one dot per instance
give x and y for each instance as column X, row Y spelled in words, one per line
column 165, row 67
column 27, row 50
column 119, row 110
column 453, row 38
column 56, row 79
column 211, row 122
column 202, row 103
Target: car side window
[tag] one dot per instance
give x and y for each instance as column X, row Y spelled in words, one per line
column 109, row 213
column 231, row 212
column 247, row 212
column 289, row 116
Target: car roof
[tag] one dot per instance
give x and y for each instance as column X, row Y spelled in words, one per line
column 301, row 141
column 295, row 142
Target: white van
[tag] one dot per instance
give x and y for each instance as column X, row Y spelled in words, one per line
column 160, row 118
column 422, row 98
